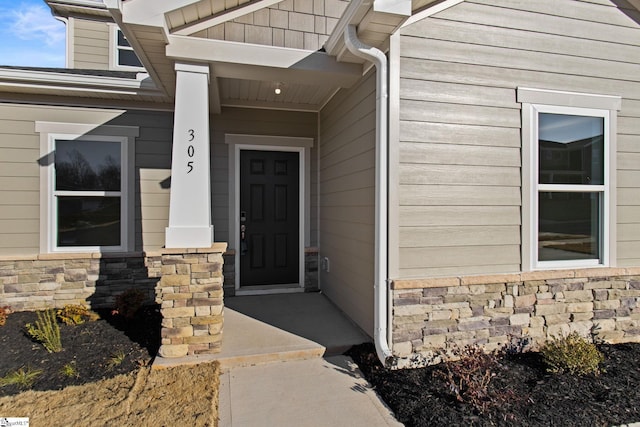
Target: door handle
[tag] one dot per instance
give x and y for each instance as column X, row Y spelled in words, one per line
column 243, row 242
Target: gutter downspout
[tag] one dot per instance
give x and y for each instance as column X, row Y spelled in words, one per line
column 381, row 315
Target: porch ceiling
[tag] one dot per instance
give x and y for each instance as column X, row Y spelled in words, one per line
column 244, row 74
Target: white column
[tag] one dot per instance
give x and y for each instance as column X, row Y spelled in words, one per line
column 190, row 203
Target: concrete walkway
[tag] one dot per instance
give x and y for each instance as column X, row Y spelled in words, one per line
column 274, row 373
column 303, row 393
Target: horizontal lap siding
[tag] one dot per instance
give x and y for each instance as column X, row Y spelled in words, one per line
column 90, row 44
column 347, row 179
column 459, row 149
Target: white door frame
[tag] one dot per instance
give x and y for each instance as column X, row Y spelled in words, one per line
column 302, row 146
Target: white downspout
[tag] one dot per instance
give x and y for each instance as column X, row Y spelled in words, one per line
column 381, row 315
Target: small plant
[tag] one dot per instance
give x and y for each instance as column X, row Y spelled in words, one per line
column 46, row 331
column 468, row 378
column 70, row 371
column 129, row 302
column 23, row 378
column 572, row 354
column 75, row 314
column 4, row 313
column 117, row 358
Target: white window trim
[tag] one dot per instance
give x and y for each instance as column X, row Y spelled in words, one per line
column 533, row 102
column 49, row 133
column 114, row 54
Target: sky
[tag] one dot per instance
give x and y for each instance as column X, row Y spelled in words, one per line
column 30, row 35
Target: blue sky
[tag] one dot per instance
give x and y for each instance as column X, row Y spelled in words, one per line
column 30, row 35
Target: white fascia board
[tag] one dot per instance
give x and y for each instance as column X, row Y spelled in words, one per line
column 74, row 82
column 395, row 7
column 287, row 60
column 431, row 10
column 81, row 3
column 223, row 17
column 353, row 14
column 148, row 12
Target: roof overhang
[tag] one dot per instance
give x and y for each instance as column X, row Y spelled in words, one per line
column 67, row 8
column 20, row 83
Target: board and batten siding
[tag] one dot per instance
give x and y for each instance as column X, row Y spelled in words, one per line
column 90, row 44
column 347, row 200
column 459, row 142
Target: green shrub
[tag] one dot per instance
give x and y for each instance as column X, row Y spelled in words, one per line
column 46, row 331
column 129, row 302
column 75, row 314
column 572, row 354
column 24, row 378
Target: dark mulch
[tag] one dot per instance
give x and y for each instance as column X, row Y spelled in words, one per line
column 92, row 348
column 420, row 397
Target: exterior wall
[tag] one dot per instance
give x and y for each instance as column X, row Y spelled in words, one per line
column 20, row 171
column 56, row 280
column 347, row 161
column 254, row 122
column 439, row 314
column 459, row 148
column 89, row 44
column 300, row 24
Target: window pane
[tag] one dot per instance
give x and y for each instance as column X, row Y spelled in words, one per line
column 122, row 40
column 569, row 226
column 87, row 165
column 129, row 58
column 88, row 221
column 571, row 149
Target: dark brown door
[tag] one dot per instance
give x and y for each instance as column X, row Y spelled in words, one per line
column 269, row 218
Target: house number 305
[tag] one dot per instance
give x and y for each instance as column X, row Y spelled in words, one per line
column 190, row 150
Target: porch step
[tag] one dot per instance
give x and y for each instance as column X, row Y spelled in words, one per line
column 247, row 342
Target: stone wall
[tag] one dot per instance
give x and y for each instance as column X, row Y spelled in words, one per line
column 191, row 300
column 55, row 280
column 186, row 283
column 436, row 314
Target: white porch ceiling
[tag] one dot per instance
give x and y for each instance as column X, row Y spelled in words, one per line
column 243, row 74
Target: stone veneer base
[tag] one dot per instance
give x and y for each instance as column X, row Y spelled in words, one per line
column 432, row 316
column 187, row 283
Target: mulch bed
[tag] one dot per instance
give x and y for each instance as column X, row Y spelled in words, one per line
column 532, row 397
column 97, row 350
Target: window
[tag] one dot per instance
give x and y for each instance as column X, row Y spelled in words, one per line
column 568, row 199
column 88, row 181
column 122, row 55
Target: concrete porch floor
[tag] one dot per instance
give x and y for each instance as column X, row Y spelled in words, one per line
column 282, row 327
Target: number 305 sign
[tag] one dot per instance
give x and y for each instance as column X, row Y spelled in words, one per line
column 190, row 150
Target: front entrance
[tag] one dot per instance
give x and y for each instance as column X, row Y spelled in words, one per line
column 269, row 218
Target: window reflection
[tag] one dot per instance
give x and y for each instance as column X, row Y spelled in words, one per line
column 571, row 149
column 87, row 166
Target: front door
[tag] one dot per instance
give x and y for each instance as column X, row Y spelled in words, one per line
column 269, row 217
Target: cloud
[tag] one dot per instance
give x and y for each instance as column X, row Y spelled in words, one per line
column 35, row 23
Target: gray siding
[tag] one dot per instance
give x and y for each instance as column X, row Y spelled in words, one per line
column 347, row 160
column 90, row 44
column 20, row 172
column 459, row 148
